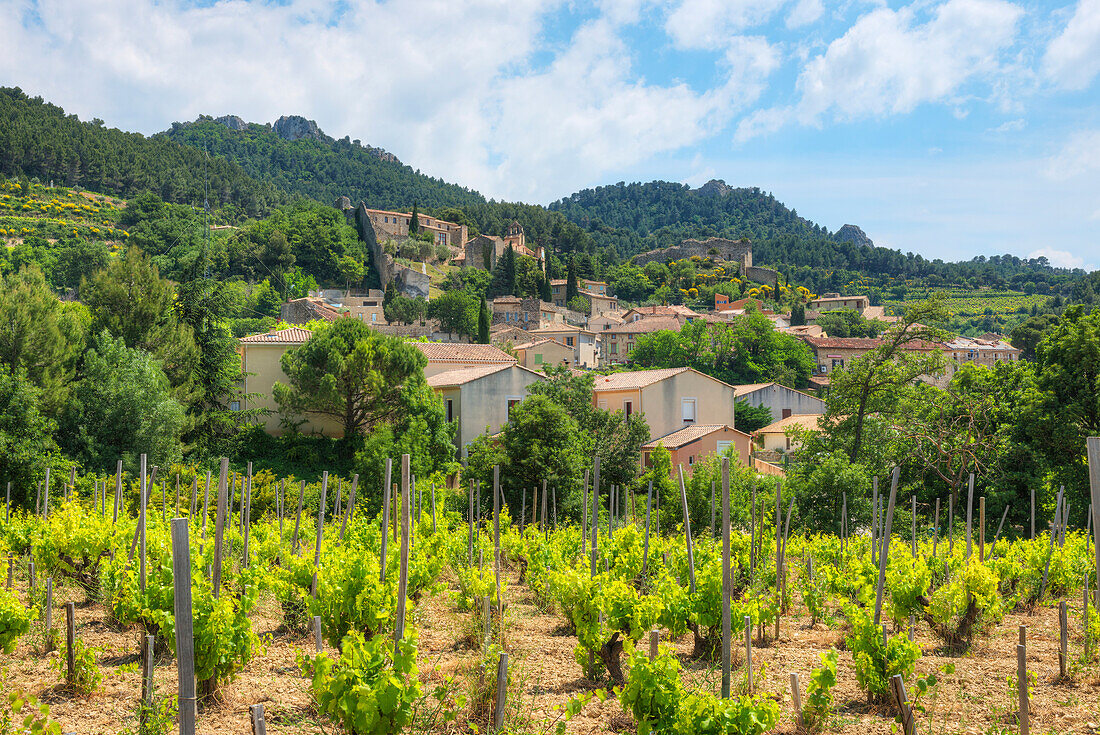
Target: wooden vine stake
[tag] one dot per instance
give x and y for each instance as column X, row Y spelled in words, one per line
column 205, row 514
column 258, row 726
column 247, row 522
column 403, row 579
column 981, row 529
column 49, row 613
column 298, row 518
column 1021, row 685
column 726, row 581
column 796, row 699
column 70, row 643
column 687, row 528
column 320, row 532
column 648, row 511
column 1093, row 446
column 905, row 712
column 654, row 643
column 1063, row 640
column 219, row 525
column 502, row 691
column 595, row 518
column 118, row 488
column 885, row 551
column 969, row 516
column 748, row 654
column 185, row 638
column 351, row 505
column 142, row 520
column 147, row 664
column 318, row 640
column 496, row 545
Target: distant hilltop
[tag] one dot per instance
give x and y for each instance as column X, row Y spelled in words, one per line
column 292, row 128
column 853, row 234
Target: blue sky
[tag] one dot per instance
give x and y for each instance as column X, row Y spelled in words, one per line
column 951, row 128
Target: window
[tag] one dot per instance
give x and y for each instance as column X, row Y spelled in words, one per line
column 538, row 358
column 721, row 447
column 374, row 318
column 691, row 461
column 687, row 410
column 603, row 404
column 786, row 413
column 512, row 401
column 568, row 341
column 788, row 446
column 234, row 405
column 450, row 410
column 614, row 348
column 628, row 408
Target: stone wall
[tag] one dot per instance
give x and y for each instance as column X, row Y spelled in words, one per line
column 762, row 275
column 409, row 282
column 739, row 251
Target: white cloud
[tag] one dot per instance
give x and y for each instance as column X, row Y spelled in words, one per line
column 1072, row 59
column 1011, row 126
column 804, row 12
column 708, row 24
column 888, row 64
column 1079, row 155
column 1060, row 258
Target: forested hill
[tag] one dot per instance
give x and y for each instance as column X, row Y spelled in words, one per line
column 638, row 217
column 39, row 140
column 316, row 166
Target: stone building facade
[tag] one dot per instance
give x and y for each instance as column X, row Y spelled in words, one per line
column 736, row 251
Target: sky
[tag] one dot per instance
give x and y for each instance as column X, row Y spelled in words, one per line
column 949, row 128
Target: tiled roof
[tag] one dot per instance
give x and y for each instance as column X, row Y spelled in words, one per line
column 740, row 390
column 635, row 378
column 462, row 376
column 849, row 343
column 559, row 328
column 536, row 343
column 463, row 352
column 805, row 420
column 687, row 435
column 292, row 336
column 647, row 325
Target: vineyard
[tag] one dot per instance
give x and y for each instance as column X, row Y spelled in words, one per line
column 322, row 606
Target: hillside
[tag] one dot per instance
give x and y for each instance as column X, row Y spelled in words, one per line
column 38, row 140
column 297, row 157
column 638, row 217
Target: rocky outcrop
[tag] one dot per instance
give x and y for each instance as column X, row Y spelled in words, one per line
column 853, row 234
column 232, row 122
column 296, row 127
column 714, row 188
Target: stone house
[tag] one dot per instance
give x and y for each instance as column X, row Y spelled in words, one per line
column 478, row 399
column 306, row 310
column 779, row 399
column 395, row 225
column 693, row 444
column 525, row 313
column 616, row 341
column 484, row 251
column 670, row 398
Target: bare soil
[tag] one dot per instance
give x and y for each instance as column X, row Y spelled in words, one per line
column 976, row 699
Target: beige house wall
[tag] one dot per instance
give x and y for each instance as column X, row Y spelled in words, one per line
column 482, row 405
column 663, row 402
column 263, row 361
column 691, row 454
column 548, row 353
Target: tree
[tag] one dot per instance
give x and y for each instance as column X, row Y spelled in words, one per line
column 40, row 338
column 544, row 289
column 1066, row 408
column 26, row 434
column 580, row 304
column 818, row 488
column 510, row 270
column 542, row 442
column 123, row 407
column 351, row 270
column 130, row 300
column 457, row 311
column 350, row 373
column 1027, row 336
column 875, row 382
column 483, row 320
column 750, row 418
column 630, row 283
column 414, row 220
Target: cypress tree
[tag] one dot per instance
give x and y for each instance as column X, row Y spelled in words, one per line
column 571, row 281
column 510, row 271
column 483, row 323
column 414, row 221
column 544, row 288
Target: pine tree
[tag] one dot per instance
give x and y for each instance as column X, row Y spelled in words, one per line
column 483, row 323
column 414, row 221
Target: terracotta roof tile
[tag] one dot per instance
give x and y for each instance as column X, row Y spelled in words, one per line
column 462, row 376
column 647, row 325
column 463, row 352
column 806, row 420
column 292, row 336
column 635, row 378
column 688, row 434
